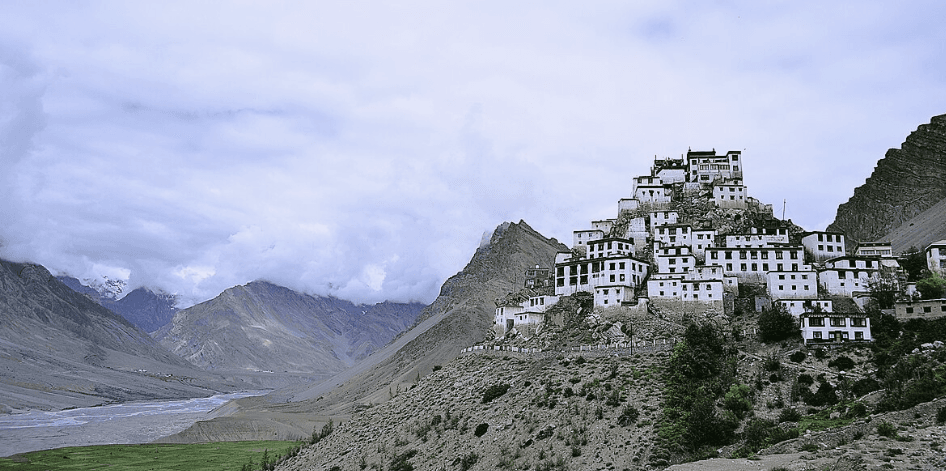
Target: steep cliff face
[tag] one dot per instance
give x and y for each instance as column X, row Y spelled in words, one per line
column 906, row 182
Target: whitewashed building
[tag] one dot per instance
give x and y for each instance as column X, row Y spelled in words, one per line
column 843, row 276
column 673, row 234
column 834, row 327
column 674, row 259
column 730, row 194
column 936, row 257
column 706, row 167
column 574, row 274
column 583, row 237
column 793, row 284
column 824, row 245
column 752, row 264
column 874, row 249
column 797, row 307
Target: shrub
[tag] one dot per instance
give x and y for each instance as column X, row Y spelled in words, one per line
column 842, row 363
column 400, row 463
column 798, row 357
column 494, row 391
column 469, row 460
column 737, row 400
column 887, row 429
column 806, row 379
column 789, row 415
column 820, row 353
column 628, row 416
column 777, row 324
column 941, row 415
column 864, row 386
column 481, row 430
column 568, row 392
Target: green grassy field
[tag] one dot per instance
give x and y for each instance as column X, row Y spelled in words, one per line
column 230, row 456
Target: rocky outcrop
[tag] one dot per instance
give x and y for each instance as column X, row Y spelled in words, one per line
column 905, row 182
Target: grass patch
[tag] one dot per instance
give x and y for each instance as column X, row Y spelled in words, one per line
column 227, row 456
column 822, row 420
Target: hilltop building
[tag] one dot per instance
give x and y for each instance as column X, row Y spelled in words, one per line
column 936, row 257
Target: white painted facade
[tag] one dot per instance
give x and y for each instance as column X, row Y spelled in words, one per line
column 793, row 285
column 706, row 167
column 874, row 249
column 824, row 245
column 925, row 309
column 613, row 295
column 583, row 237
column 753, row 263
column 758, row 238
column 674, row 259
column 823, row 327
column 936, row 257
column 586, row 274
column 673, row 235
column 843, row 276
column 797, row 307
column 730, row 194
column 611, row 247
column 663, row 218
column 628, row 204
column 701, row 240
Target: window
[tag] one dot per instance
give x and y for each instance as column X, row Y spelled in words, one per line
column 778, row 256
column 755, row 267
column 837, row 322
column 859, row 322
column 816, row 321
column 728, row 267
column 621, row 265
column 858, row 335
column 816, row 335
column 742, row 266
column 927, row 308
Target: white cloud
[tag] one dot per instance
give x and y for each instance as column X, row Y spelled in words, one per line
column 361, row 149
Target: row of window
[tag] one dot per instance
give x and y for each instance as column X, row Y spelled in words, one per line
column 837, row 322
column 927, row 309
column 755, row 267
column 754, row 254
column 817, row 335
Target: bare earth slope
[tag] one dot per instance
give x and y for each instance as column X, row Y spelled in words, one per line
column 924, row 229
column 59, row 349
column 459, row 317
column 906, row 182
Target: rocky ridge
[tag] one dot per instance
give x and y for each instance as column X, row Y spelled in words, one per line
column 905, row 182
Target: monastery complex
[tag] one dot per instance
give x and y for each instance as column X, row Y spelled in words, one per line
column 690, row 237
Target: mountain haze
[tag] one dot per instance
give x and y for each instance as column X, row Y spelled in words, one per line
column 262, row 327
column 906, row 182
column 58, row 348
column 460, row 316
column 142, row 307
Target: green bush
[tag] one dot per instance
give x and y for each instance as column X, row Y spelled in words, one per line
column 887, row 429
column 481, row 430
column 806, row 379
column 777, row 324
column 494, row 391
column 798, row 357
column 789, row 415
column 628, row 416
column 737, row 400
column 941, row 415
column 842, row 363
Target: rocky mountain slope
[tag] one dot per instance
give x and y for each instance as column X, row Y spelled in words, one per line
column 920, row 231
column 142, row 307
column 906, row 182
column 58, row 348
column 262, row 327
column 459, row 317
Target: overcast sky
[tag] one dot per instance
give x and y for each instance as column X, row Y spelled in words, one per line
column 362, row 150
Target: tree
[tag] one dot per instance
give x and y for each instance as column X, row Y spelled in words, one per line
column 777, row 324
column 932, row 287
column 913, row 261
column 884, row 288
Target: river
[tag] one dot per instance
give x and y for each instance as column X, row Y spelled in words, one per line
column 133, row 422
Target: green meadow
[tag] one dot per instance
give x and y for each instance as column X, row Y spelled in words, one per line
column 230, row 456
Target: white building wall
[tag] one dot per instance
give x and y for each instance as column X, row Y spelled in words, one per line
column 582, row 237
column 792, row 285
column 824, row 245
column 936, row 257
column 818, row 328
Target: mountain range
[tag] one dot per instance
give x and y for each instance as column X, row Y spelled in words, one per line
column 262, row 327
column 58, row 349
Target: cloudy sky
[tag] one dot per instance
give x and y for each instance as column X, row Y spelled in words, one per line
column 362, row 149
